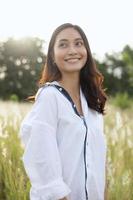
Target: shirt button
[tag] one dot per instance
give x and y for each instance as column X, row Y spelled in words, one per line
column 60, row 89
column 87, row 166
column 87, row 143
column 74, row 105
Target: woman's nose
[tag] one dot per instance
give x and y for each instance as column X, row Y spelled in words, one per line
column 72, row 50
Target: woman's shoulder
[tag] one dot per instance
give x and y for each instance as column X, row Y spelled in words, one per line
column 47, row 90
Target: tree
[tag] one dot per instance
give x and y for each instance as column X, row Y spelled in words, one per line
column 117, row 69
column 21, row 62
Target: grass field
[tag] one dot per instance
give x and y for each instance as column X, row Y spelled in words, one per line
column 14, row 184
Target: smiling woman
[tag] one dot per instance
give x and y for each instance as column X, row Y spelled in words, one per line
column 70, row 53
column 65, row 150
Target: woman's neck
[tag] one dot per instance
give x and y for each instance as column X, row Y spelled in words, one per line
column 72, row 86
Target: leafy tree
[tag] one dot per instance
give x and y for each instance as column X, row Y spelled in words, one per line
column 21, row 63
column 117, row 69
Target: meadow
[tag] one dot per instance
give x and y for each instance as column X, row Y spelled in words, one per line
column 118, row 128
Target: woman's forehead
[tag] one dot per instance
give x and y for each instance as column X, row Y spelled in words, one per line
column 68, row 34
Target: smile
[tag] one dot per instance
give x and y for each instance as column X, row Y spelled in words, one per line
column 72, row 60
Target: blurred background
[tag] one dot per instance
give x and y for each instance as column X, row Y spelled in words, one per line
column 25, row 29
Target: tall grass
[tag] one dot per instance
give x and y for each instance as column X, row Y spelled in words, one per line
column 119, row 134
column 14, row 184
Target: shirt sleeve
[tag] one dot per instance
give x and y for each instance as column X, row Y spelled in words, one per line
column 41, row 156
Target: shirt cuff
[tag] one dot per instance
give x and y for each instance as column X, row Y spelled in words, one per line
column 52, row 191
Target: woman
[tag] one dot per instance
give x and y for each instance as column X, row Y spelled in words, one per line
column 65, row 150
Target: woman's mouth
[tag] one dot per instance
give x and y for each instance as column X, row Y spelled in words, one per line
column 72, row 60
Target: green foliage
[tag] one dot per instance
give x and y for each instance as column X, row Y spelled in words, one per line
column 122, row 100
column 21, row 62
column 117, row 69
column 14, row 97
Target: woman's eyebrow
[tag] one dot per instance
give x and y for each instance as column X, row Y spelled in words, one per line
column 65, row 40
column 79, row 39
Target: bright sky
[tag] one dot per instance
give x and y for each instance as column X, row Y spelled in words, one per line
column 107, row 23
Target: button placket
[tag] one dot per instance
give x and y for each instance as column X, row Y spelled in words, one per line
column 85, row 157
column 88, row 155
column 89, row 167
column 88, row 160
column 86, row 145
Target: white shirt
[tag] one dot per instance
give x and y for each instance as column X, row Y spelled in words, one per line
column 65, row 153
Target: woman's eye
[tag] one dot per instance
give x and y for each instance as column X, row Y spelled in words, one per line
column 62, row 45
column 79, row 43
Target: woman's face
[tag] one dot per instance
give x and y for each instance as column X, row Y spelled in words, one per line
column 70, row 54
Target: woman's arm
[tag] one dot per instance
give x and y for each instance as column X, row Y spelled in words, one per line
column 41, row 157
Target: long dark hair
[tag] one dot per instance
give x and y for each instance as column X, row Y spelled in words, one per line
column 90, row 78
